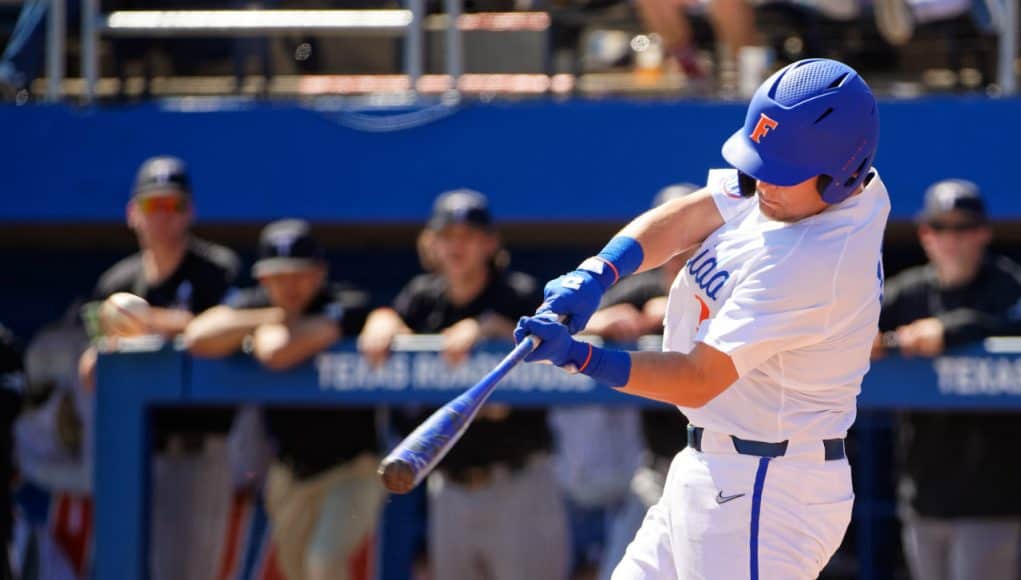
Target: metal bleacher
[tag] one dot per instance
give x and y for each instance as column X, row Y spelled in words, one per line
column 409, row 25
column 432, row 59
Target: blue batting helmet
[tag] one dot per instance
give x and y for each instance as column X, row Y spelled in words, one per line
column 812, row 117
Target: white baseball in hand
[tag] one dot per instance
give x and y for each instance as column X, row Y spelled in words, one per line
column 124, row 314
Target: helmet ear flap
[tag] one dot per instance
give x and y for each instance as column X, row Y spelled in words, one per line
column 857, row 172
column 824, row 181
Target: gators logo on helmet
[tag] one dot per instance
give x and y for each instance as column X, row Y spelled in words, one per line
column 765, row 125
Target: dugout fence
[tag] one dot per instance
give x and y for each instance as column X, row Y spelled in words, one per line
column 146, row 374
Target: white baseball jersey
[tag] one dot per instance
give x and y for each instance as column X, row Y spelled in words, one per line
column 795, row 306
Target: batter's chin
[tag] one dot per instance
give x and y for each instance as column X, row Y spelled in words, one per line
column 769, row 210
column 775, row 213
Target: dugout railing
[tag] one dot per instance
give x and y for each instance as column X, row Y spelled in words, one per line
column 146, row 374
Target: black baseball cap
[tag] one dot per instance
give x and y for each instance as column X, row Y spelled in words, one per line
column 950, row 195
column 461, row 206
column 162, row 174
column 287, row 246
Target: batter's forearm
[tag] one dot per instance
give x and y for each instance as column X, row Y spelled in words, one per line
column 688, row 380
column 673, row 227
column 667, row 377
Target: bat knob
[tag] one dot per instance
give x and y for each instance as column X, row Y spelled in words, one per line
column 397, row 475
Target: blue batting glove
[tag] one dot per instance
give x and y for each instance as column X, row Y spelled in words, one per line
column 609, row 367
column 575, row 295
column 557, row 346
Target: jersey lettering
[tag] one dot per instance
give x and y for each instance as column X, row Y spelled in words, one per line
column 703, row 271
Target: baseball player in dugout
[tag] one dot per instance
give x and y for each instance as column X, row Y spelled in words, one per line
column 322, row 493
column 178, row 275
column 494, row 510
column 768, row 332
column 961, row 522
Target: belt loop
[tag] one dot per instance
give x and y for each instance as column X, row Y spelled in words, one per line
column 759, row 448
column 834, row 449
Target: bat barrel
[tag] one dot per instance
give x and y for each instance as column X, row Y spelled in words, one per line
column 398, row 475
column 412, row 460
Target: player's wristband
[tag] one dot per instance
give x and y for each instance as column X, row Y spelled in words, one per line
column 608, row 367
column 620, row 258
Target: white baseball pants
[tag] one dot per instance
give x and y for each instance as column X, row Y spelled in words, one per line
column 726, row 516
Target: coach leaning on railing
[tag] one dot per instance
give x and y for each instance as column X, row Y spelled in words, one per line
column 324, row 470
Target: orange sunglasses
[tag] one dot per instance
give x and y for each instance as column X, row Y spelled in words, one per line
column 162, row 204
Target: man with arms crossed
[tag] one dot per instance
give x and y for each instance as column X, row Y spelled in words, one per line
column 767, row 338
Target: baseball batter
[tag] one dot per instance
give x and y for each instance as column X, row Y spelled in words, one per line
column 768, row 333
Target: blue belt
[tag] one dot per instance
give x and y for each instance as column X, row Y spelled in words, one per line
column 833, row 448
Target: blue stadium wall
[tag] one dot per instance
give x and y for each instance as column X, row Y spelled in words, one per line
column 571, row 162
column 539, row 161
